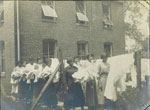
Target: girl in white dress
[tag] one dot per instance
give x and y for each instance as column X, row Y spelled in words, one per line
column 15, row 78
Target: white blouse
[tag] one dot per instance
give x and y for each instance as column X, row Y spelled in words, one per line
column 104, row 67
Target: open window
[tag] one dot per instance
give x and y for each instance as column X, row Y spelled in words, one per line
column 107, row 22
column 2, row 58
column 81, row 17
column 49, row 48
column 1, row 12
column 108, row 48
column 82, row 48
column 48, row 10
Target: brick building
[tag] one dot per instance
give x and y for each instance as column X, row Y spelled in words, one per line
column 35, row 28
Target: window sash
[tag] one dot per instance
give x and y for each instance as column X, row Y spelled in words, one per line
column 108, row 48
column 82, row 48
column 49, row 3
column 49, row 48
column 80, row 7
column 106, row 11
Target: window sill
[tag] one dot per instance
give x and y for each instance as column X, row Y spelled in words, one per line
column 79, row 24
column 50, row 20
column 107, row 28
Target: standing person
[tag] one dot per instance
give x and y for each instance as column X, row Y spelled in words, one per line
column 91, row 95
column 22, row 83
column 77, row 61
column 38, row 84
column 69, row 99
column 103, row 70
column 37, row 68
column 15, row 78
column 29, row 69
column 50, row 98
column 79, row 95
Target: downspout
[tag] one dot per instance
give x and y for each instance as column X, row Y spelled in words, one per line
column 18, row 31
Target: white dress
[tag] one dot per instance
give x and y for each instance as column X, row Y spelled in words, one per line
column 45, row 72
column 18, row 71
column 29, row 71
column 103, row 70
column 37, row 71
column 54, row 64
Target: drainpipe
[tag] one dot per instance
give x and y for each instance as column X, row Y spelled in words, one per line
column 18, row 31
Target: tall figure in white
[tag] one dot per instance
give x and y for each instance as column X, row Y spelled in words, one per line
column 103, row 70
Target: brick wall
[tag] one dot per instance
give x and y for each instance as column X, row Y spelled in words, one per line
column 66, row 31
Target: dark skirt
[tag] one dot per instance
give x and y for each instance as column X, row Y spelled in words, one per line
column 38, row 86
column 30, row 91
column 49, row 97
column 23, row 89
column 91, row 94
column 74, row 96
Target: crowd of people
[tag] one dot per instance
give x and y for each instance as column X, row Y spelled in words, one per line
column 28, row 79
column 85, row 82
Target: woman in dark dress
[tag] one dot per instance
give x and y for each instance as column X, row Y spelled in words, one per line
column 23, row 86
column 74, row 96
column 49, row 97
column 91, row 94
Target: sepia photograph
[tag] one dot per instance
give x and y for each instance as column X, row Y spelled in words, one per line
column 74, row 55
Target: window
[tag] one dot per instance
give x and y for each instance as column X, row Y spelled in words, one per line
column 108, row 48
column 48, row 10
column 49, row 47
column 81, row 17
column 107, row 23
column 2, row 60
column 1, row 12
column 49, row 3
column 82, row 47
